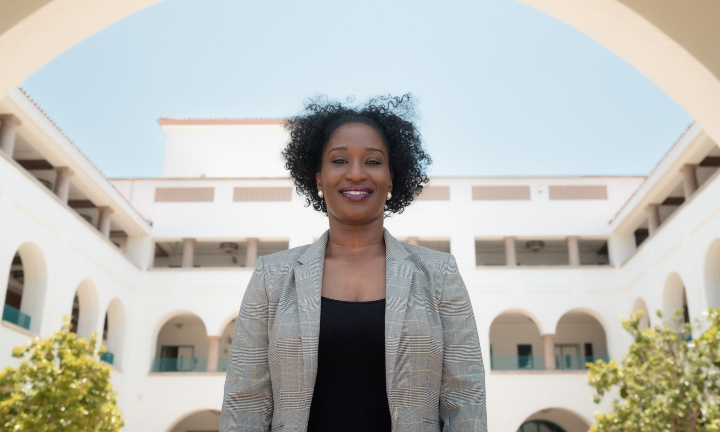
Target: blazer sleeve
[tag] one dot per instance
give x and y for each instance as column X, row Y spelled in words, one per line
column 462, row 391
column 248, row 401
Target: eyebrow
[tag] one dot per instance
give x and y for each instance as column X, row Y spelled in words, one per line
column 366, row 148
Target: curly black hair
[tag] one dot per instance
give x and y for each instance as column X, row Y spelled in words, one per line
column 392, row 117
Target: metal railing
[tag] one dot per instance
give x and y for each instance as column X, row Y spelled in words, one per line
column 107, row 357
column 508, row 363
column 577, row 362
column 179, row 365
column 12, row 315
column 223, row 364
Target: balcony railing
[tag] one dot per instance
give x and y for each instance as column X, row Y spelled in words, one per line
column 223, row 364
column 107, row 357
column 12, row 315
column 577, row 362
column 509, row 363
column 179, row 365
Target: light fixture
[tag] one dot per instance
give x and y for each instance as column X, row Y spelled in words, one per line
column 228, row 247
column 18, row 275
column 535, row 245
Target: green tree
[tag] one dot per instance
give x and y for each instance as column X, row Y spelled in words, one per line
column 60, row 385
column 665, row 382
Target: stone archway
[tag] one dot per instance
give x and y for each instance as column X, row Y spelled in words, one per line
column 545, row 419
column 638, row 306
column 669, row 42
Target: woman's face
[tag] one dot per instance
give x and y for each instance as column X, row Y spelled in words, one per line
column 355, row 174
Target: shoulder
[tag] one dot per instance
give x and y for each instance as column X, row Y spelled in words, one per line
column 281, row 259
column 432, row 260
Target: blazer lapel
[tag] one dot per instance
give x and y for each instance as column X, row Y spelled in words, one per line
column 398, row 278
column 308, row 283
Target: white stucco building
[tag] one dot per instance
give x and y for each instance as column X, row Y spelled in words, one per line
column 159, row 266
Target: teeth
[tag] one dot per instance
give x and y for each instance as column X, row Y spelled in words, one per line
column 356, row 193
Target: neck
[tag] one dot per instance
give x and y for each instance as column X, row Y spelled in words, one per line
column 345, row 238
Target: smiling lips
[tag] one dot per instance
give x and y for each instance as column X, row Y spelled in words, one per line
column 356, row 193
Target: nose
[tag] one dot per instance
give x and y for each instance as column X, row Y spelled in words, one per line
column 356, row 172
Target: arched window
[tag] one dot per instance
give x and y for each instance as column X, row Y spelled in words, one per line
column 182, row 345
column 84, row 313
column 579, row 339
column 540, row 426
column 25, row 295
column 515, row 343
column 114, row 333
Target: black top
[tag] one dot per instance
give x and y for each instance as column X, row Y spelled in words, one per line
column 349, row 390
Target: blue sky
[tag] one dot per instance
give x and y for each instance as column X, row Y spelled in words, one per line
column 502, row 89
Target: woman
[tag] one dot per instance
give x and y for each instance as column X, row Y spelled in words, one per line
column 395, row 346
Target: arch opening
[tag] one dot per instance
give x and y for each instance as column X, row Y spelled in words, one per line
column 182, row 345
column 84, row 313
column 515, row 343
column 579, row 339
column 25, row 294
column 674, row 298
column 554, row 420
column 205, row 421
column 638, row 306
column 113, row 333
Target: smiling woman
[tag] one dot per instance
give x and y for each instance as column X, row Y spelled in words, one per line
column 396, row 346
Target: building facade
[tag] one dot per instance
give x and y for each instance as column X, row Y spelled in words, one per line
column 159, row 266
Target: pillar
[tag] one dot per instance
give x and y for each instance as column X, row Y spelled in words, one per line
column 188, row 252
column 549, row 341
column 213, row 353
column 62, row 183
column 104, row 221
column 573, row 251
column 251, row 253
column 690, row 184
column 8, row 126
column 412, row 240
column 510, row 252
column 653, row 218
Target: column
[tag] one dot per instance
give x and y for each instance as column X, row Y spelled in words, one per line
column 188, row 252
column 213, row 352
column 653, row 218
column 510, row 252
column 62, row 183
column 7, row 133
column 412, row 240
column 251, row 254
column 573, row 251
column 549, row 340
column 104, row 221
column 690, row 184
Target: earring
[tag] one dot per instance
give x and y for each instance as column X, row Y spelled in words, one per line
column 321, row 194
column 389, row 195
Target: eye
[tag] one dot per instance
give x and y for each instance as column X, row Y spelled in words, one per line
column 373, row 162
column 338, row 161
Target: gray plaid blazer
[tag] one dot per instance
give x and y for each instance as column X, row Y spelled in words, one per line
column 434, row 371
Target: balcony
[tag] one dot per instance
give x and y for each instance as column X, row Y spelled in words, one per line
column 14, row 316
column 577, row 362
column 516, row 363
column 179, row 365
